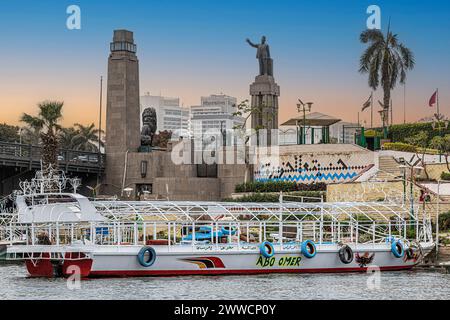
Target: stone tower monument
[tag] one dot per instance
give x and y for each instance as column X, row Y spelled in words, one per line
column 265, row 93
column 122, row 107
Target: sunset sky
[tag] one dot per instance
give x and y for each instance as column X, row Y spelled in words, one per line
column 193, row 48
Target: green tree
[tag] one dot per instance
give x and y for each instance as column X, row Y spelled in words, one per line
column 386, row 61
column 9, row 133
column 246, row 110
column 31, row 135
column 420, row 140
column 86, row 138
column 46, row 123
column 443, row 145
column 66, row 136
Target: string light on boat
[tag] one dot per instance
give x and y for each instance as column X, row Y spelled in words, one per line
column 48, row 180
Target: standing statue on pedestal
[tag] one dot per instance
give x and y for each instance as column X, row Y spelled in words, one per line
column 148, row 127
column 263, row 55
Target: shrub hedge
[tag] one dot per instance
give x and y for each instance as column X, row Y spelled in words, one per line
column 373, row 133
column 399, row 146
column 277, row 186
column 274, row 197
column 399, row 132
column 445, row 175
column 444, row 222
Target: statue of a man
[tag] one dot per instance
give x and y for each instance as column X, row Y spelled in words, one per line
column 263, row 55
column 148, row 126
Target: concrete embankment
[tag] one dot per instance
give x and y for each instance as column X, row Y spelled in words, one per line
column 440, row 262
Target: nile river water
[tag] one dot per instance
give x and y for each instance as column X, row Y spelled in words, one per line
column 416, row 284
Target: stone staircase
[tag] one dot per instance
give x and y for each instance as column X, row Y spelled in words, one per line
column 388, row 169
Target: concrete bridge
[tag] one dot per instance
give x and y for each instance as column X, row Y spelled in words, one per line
column 20, row 161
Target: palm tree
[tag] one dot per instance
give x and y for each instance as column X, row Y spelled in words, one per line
column 31, row 135
column 65, row 137
column 87, row 138
column 46, row 123
column 386, row 61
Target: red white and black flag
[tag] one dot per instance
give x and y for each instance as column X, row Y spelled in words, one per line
column 367, row 103
column 433, row 99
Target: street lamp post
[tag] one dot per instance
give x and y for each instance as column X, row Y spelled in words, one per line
column 302, row 107
column 20, row 141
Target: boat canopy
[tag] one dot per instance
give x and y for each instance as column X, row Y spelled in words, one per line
column 188, row 211
column 60, row 207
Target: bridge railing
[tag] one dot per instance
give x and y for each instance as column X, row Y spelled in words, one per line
column 65, row 156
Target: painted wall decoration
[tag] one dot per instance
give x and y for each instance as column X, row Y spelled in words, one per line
column 309, row 168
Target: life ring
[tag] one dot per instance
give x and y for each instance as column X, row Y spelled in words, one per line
column 397, row 249
column 146, row 262
column 266, row 249
column 346, row 254
column 309, row 249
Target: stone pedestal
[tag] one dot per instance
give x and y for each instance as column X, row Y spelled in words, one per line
column 265, row 93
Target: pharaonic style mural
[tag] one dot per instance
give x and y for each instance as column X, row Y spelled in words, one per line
column 309, row 168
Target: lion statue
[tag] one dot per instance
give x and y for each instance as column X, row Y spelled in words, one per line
column 148, row 126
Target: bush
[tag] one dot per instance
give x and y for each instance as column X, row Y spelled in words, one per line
column 277, row 186
column 427, row 151
column 411, row 233
column 445, row 175
column 9, row 133
column 399, row 146
column 400, row 132
column 371, row 133
column 444, row 221
column 274, row 197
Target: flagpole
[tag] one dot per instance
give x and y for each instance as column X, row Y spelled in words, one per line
column 371, row 110
column 404, row 103
column 438, row 120
column 437, row 100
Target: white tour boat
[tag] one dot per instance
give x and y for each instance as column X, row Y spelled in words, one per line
column 66, row 233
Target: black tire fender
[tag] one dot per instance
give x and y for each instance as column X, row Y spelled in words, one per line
column 346, row 254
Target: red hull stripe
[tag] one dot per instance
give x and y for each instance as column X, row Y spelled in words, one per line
column 131, row 273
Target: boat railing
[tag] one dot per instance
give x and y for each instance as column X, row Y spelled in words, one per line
column 42, row 253
column 214, row 234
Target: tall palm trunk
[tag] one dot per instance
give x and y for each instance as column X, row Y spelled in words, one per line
column 49, row 150
column 386, row 90
column 386, row 103
column 47, row 124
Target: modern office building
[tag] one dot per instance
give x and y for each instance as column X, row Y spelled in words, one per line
column 215, row 114
column 170, row 115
